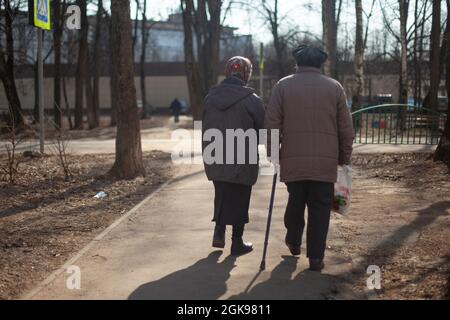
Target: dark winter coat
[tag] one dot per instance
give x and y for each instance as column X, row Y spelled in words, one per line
column 232, row 105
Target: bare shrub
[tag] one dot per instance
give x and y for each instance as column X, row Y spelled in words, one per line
column 60, row 149
column 9, row 168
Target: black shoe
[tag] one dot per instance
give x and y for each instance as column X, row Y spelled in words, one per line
column 295, row 250
column 239, row 248
column 316, row 265
column 219, row 237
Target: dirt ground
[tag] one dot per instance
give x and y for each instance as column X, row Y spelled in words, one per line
column 399, row 221
column 45, row 219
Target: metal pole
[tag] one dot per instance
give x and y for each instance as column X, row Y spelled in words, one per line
column 261, row 71
column 41, row 91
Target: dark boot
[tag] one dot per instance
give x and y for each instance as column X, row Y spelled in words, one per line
column 219, row 237
column 316, row 265
column 238, row 246
column 294, row 249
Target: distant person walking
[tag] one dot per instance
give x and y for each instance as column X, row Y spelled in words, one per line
column 316, row 132
column 176, row 107
column 232, row 105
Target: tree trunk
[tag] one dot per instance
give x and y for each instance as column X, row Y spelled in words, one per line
column 404, row 6
column 421, row 52
column 81, row 66
column 404, row 52
column 213, row 42
column 415, row 52
column 66, row 103
column 330, row 36
column 128, row 163
column 136, row 28
column 432, row 99
column 97, row 62
column 359, row 57
column 205, row 22
column 7, row 71
column 280, row 49
column 87, row 74
column 57, row 36
column 113, row 81
column 9, row 85
column 443, row 150
column 91, row 114
column 144, row 34
column 191, row 65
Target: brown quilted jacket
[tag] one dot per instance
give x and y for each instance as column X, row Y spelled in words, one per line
column 315, row 124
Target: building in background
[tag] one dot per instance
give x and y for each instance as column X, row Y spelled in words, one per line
column 164, row 67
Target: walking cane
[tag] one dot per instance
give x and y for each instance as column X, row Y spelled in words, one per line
column 269, row 220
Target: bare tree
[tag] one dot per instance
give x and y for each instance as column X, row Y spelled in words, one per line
column 400, row 13
column 192, row 69
column 60, row 149
column 7, row 64
column 359, row 56
column 443, row 150
column 420, row 18
column 128, row 163
column 10, row 169
column 58, row 21
column 404, row 8
column 36, row 79
column 81, row 66
column 270, row 11
column 113, row 81
column 144, row 42
column 431, row 101
column 97, row 63
column 330, row 27
column 203, row 20
column 83, row 86
column 136, row 26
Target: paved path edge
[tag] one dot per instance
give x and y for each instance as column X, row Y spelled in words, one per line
column 28, row 295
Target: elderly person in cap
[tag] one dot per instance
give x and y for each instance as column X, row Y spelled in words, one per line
column 232, row 105
column 316, row 134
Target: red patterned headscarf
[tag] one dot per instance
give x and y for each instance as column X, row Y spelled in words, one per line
column 240, row 67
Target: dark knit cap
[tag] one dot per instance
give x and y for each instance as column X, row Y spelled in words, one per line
column 307, row 56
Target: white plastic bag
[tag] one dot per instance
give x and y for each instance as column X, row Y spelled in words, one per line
column 343, row 190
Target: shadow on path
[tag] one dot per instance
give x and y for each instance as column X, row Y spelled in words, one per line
column 205, row 280
column 283, row 285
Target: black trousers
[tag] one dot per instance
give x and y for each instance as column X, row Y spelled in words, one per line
column 318, row 197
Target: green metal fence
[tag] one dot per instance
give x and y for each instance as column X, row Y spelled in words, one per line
column 398, row 124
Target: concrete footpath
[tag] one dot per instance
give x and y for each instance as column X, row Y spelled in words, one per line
column 162, row 251
column 91, row 146
column 160, row 138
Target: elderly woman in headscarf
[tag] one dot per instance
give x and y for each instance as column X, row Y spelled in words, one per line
column 232, row 105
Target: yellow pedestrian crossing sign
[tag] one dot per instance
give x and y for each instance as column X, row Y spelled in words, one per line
column 41, row 14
